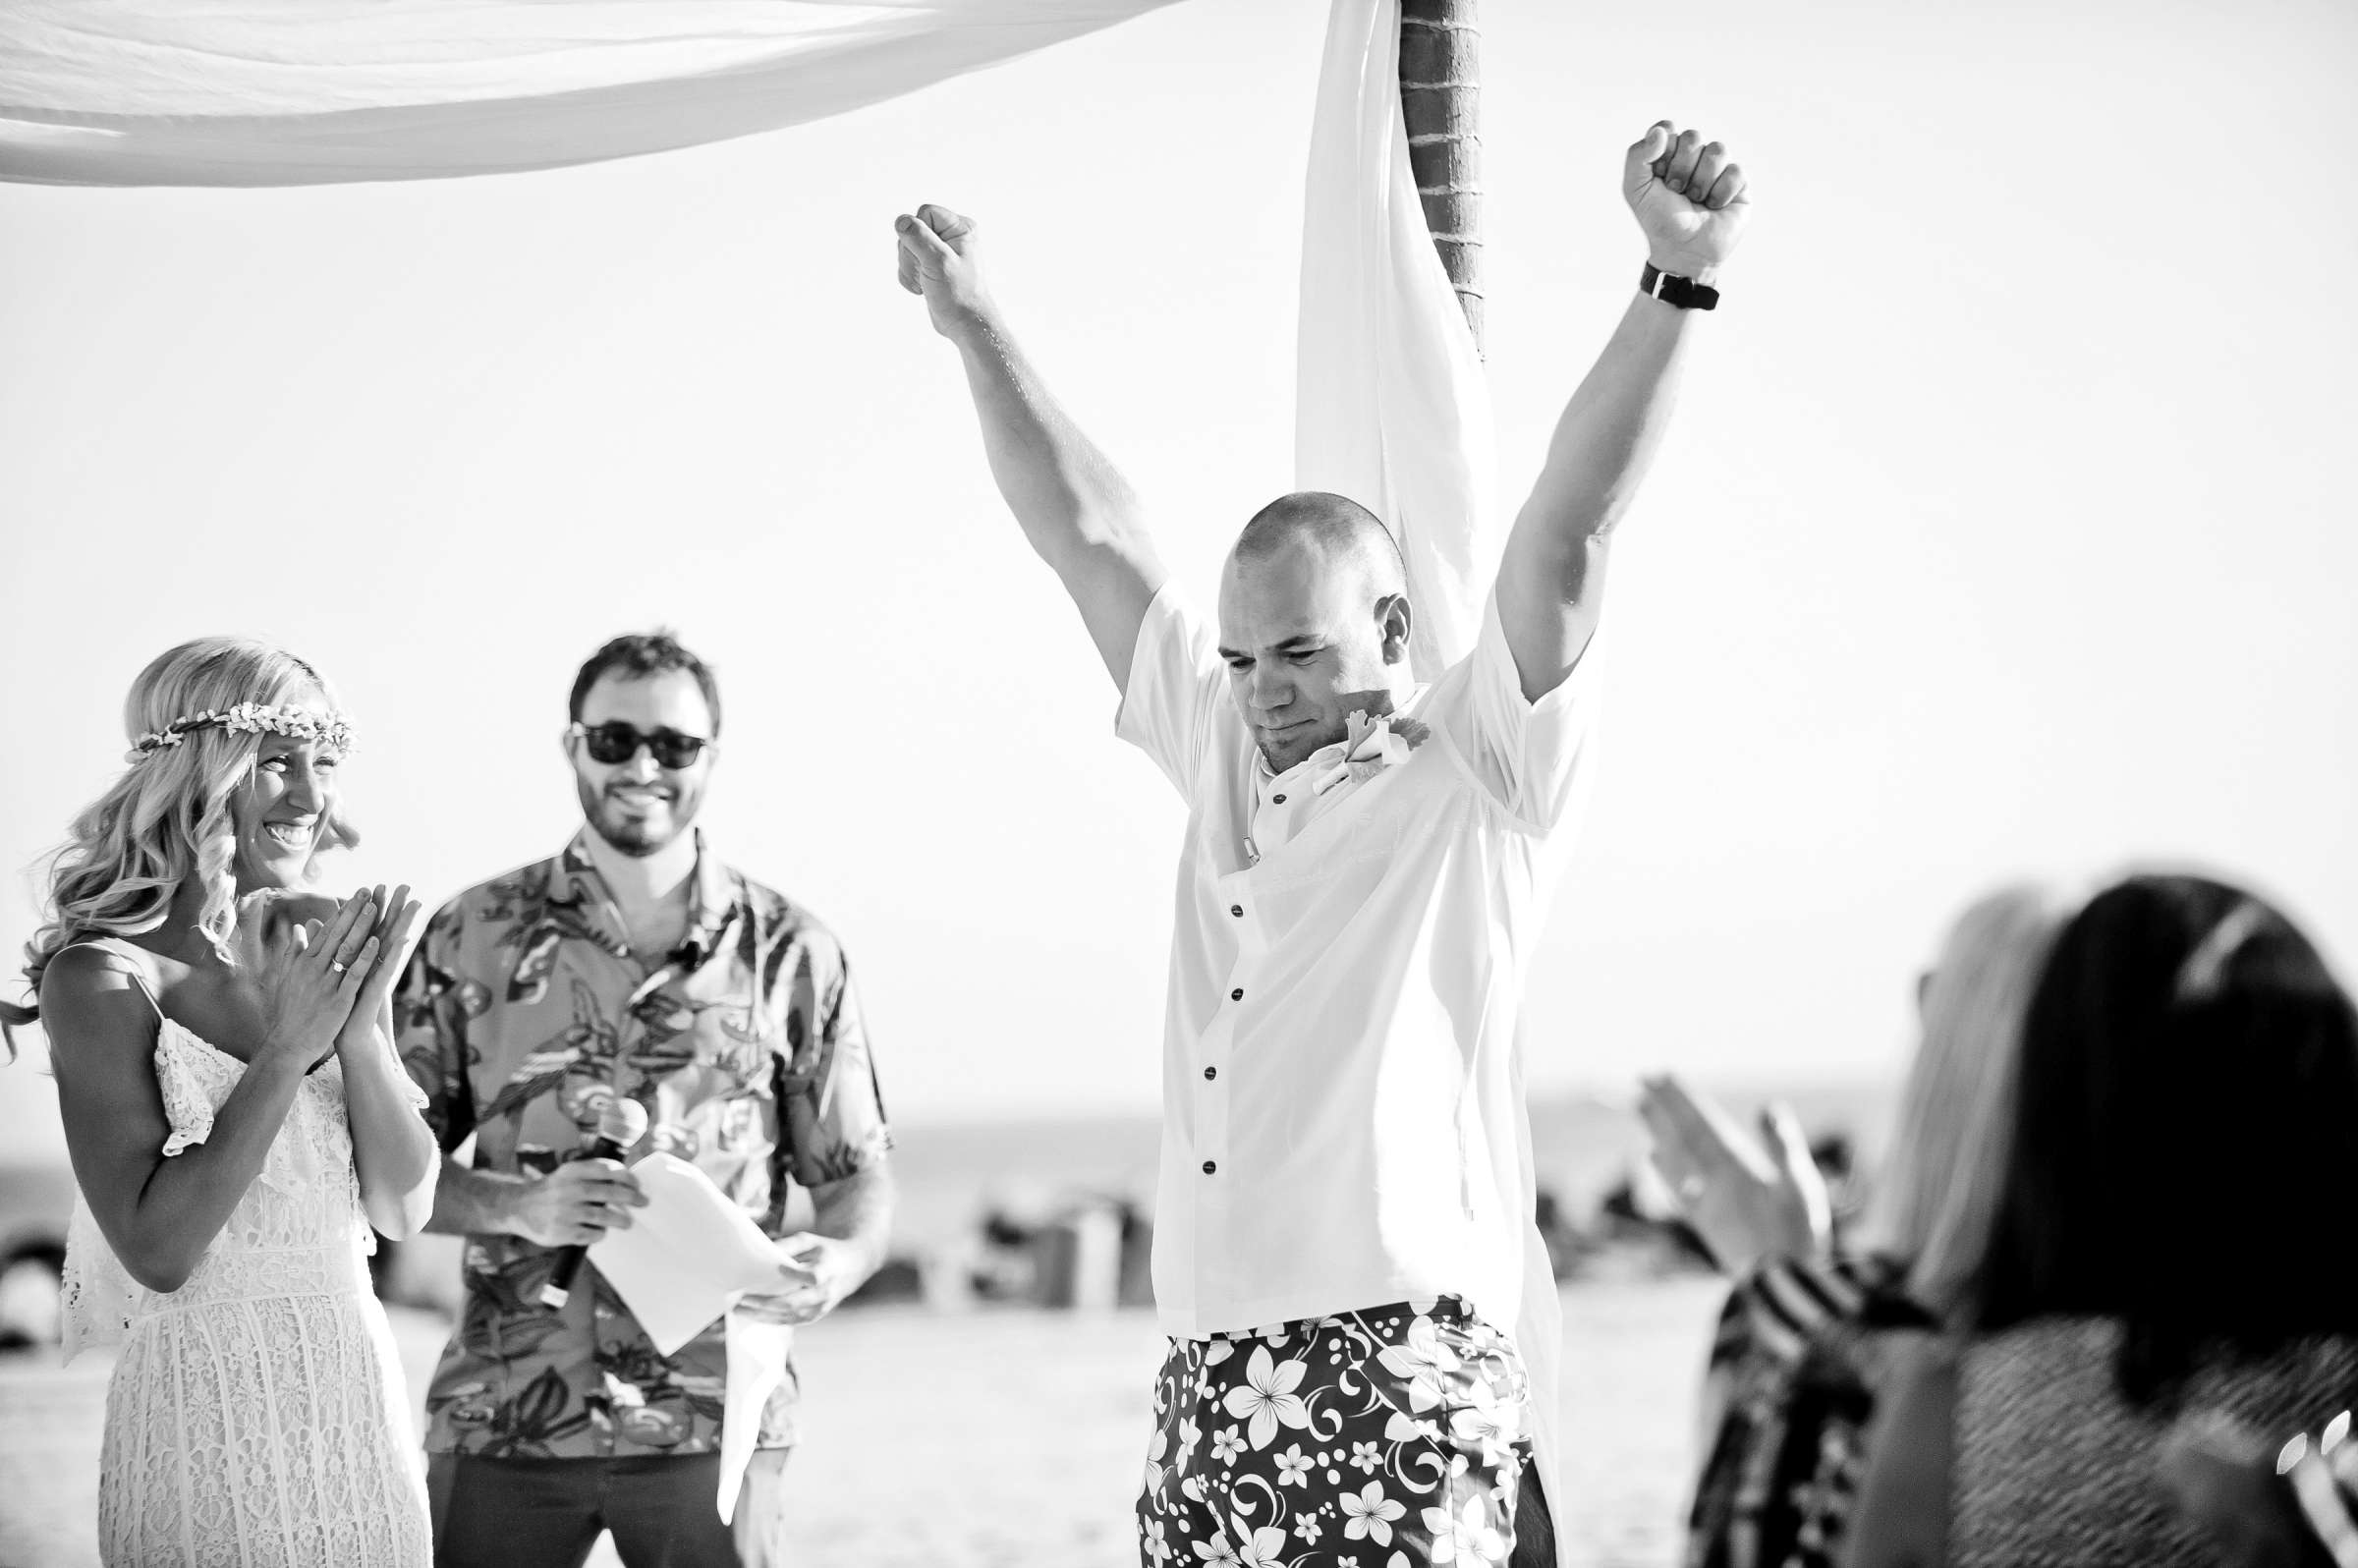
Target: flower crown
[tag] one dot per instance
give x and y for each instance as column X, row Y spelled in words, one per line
column 332, row 730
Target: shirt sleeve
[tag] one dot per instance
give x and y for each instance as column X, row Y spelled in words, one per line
column 1177, row 689
column 832, row 1107
column 1531, row 758
column 429, row 1026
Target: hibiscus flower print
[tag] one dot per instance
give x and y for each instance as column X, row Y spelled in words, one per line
column 1423, row 1361
column 1263, row 1547
column 1307, row 1527
column 1466, row 1538
column 1488, row 1420
column 1155, row 1451
column 1370, row 1515
column 1226, row 1444
column 1368, row 1457
column 1158, row 1549
column 1293, row 1467
column 1268, row 1398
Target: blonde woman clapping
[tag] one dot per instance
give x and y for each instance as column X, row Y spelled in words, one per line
column 238, row 1123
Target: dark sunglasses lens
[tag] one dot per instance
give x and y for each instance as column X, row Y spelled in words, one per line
column 611, row 743
column 674, row 749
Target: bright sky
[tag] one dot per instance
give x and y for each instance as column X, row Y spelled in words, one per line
column 2004, row 528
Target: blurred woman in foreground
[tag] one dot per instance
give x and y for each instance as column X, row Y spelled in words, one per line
column 237, row 1123
column 2171, row 1245
column 1808, row 1334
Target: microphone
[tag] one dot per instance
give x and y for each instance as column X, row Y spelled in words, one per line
column 619, row 1126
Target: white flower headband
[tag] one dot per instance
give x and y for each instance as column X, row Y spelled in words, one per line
column 332, row 730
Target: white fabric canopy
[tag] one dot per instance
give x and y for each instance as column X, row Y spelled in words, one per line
column 264, row 92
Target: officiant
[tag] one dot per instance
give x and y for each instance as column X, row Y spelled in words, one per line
column 637, row 965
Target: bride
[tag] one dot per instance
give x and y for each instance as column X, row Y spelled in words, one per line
column 238, row 1123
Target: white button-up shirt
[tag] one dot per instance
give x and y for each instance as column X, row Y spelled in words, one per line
column 1343, row 1120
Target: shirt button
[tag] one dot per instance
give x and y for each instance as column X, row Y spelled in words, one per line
column 1237, row 995
column 1237, row 910
column 1211, row 1073
column 1210, row 1166
column 1277, row 800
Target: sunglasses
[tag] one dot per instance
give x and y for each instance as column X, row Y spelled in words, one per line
column 617, row 742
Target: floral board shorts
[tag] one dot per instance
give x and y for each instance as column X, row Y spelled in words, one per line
column 1392, row 1437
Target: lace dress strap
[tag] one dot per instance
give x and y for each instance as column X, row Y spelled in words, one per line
column 186, row 1106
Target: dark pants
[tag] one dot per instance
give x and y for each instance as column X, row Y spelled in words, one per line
column 547, row 1513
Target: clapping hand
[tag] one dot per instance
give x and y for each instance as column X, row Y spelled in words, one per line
column 1690, row 197
column 389, row 920
column 313, row 979
column 1747, row 1202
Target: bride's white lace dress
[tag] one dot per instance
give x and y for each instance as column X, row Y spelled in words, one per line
column 257, row 1414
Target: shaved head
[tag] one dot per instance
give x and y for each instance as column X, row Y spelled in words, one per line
column 1314, row 622
column 1335, row 527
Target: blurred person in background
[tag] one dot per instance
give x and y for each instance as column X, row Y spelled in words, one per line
column 238, row 1123
column 2171, row 1244
column 1808, row 1332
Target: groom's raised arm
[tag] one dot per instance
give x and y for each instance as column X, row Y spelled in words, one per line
column 1690, row 200
column 1080, row 514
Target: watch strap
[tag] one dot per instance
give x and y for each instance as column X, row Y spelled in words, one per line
column 1671, row 289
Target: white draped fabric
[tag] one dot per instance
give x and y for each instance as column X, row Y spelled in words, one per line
column 269, row 92
column 1391, row 408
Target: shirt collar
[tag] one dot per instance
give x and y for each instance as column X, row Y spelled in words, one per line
column 712, row 895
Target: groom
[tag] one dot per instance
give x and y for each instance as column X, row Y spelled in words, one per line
column 1345, row 1220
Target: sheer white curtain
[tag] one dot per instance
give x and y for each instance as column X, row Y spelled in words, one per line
column 1391, row 410
column 256, row 92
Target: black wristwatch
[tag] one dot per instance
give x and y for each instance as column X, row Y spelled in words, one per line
column 1671, row 289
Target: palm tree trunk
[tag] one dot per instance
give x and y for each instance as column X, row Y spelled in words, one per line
column 1440, row 96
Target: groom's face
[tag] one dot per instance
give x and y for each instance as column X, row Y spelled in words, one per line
column 1308, row 641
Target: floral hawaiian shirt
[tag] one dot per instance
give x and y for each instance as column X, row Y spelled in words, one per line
column 521, row 1014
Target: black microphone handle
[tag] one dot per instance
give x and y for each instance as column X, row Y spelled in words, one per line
column 559, row 1288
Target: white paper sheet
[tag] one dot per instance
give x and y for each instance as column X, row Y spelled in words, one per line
column 686, row 1257
column 685, row 1261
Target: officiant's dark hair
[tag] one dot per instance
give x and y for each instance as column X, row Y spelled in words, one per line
column 636, row 655
column 2187, row 1124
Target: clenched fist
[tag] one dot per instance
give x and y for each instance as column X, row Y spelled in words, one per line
column 1689, row 198
column 937, row 259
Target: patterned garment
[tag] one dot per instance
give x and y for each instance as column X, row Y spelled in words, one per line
column 522, row 1015
column 1387, row 1439
column 1800, row 1350
column 2055, row 1468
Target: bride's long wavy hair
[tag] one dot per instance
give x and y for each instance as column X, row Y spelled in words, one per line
column 168, row 818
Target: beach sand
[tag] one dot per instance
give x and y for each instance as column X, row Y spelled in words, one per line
column 1002, row 1437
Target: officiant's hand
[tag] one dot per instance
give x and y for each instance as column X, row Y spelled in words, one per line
column 576, row 1204
column 816, row 1272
